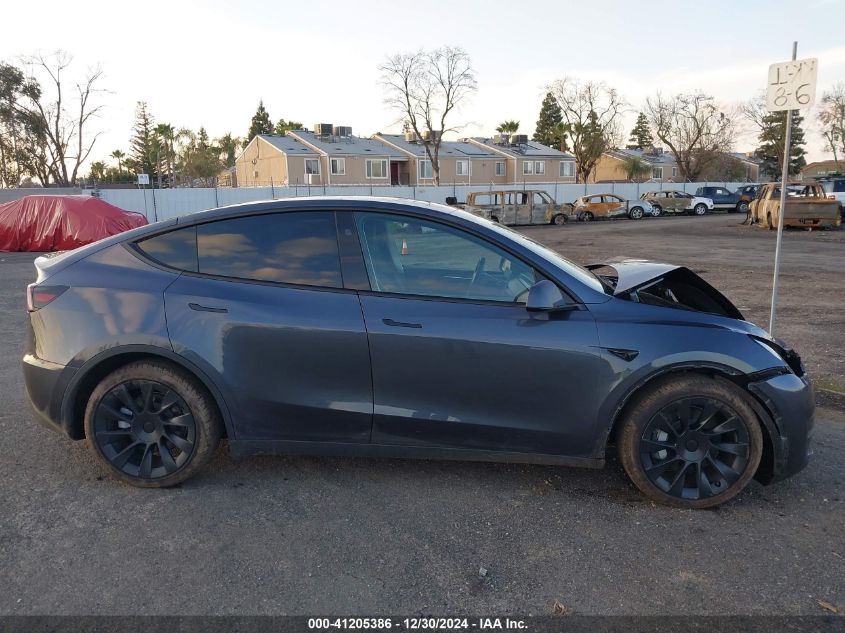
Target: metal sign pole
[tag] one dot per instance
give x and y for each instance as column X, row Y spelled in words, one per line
column 784, row 180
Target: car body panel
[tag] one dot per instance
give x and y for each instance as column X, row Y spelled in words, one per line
column 722, row 197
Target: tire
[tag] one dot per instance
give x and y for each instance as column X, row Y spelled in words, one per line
column 636, row 213
column 675, row 405
column 559, row 219
column 742, row 207
column 769, row 224
column 700, row 209
column 658, row 210
column 587, row 216
column 152, row 408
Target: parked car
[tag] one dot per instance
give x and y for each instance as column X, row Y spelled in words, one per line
column 748, row 192
column 807, row 207
column 724, row 199
column 379, row 327
column 608, row 205
column 517, row 207
column 835, row 189
column 672, row 201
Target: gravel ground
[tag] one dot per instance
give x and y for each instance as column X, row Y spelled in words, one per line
column 325, row 536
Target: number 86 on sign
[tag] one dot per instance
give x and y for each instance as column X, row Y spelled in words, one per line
column 792, row 85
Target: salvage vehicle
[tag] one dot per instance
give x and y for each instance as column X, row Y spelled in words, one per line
column 672, row 201
column 517, row 207
column 376, row 327
column 807, row 207
column 835, row 189
column 608, row 205
column 724, row 199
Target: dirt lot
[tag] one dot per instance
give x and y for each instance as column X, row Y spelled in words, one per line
column 319, row 536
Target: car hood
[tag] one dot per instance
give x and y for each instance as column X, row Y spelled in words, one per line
column 664, row 284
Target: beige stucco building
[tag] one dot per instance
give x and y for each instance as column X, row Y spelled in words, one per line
column 527, row 162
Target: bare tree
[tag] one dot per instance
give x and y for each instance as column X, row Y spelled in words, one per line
column 426, row 87
column 832, row 120
column 694, row 128
column 591, row 113
column 63, row 121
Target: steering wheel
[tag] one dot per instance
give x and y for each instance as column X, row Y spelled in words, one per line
column 477, row 273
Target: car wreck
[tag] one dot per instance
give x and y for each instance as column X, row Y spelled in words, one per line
column 807, row 207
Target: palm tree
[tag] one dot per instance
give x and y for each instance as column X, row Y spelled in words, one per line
column 635, row 167
column 166, row 136
column 229, row 146
column 508, row 127
column 561, row 131
column 98, row 170
column 119, row 156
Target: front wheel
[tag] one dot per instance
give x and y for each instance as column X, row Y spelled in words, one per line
column 658, row 211
column 636, row 213
column 700, row 209
column 742, row 207
column 691, row 442
column 559, row 219
column 151, row 424
column 587, row 216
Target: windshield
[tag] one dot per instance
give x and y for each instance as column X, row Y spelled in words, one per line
column 576, row 270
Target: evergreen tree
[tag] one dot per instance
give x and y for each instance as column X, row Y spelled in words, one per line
column 641, row 134
column 144, row 144
column 772, row 138
column 283, row 127
column 548, row 131
column 260, row 124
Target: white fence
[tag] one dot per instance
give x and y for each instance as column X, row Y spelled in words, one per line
column 159, row 204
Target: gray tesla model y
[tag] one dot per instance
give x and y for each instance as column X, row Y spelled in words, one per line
column 382, row 327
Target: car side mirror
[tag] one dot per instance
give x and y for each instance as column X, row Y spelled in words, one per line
column 545, row 296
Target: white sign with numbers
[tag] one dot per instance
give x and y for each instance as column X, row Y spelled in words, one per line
column 792, row 85
column 143, row 179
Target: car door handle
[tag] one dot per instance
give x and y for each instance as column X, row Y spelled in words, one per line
column 393, row 323
column 200, row 308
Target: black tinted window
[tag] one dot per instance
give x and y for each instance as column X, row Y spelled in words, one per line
column 296, row 248
column 177, row 249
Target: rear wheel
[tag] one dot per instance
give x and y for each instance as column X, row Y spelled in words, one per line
column 636, row 213
column 559, row 219
column 658, row 211
column 152, row 424
column 691, row 442
column 700, row 209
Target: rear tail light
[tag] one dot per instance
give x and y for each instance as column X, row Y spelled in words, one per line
column 39, row 296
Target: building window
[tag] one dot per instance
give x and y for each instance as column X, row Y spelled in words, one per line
column 674, row 171
column 500, row 168
column 462, row 168
column 312, row 166
column 527, row 167
column 338, row 166
column 567, row 169
column 376, row 168
column 657, row 173
column 540, row 167
column 425, row 170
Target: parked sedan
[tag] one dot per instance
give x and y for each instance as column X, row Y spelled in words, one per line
column 380, row 327
column 608, row 205
column 670, row 201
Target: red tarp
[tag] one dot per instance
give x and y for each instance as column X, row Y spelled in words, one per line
column 60, row 223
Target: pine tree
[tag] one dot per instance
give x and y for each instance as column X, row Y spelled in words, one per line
column 548, row 132
column 772, row 138
column 260, row 124
column 641, row 137
column 283, row 127
column 144, row 143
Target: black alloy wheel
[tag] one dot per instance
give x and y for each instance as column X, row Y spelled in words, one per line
column 145, row 429
column 695, row 448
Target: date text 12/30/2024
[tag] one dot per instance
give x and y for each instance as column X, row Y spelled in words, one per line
column 417, row 624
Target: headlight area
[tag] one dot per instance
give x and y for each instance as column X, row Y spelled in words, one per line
column 789, row 356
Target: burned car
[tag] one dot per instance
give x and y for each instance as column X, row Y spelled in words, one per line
column 807, row 207
column 517, row 207
column 673, row 201
column 608, row 205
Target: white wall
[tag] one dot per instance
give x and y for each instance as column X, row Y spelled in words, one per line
column 159, row 204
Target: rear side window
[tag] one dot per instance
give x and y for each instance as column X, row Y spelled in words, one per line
column 294, row 248
column 177, row 249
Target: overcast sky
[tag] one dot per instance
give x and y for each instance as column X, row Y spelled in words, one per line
column 209, row 63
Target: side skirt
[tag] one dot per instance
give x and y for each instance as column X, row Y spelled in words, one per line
column 244, row 448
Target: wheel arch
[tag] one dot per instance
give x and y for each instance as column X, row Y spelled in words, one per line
column 772, row 448
column 98, row 367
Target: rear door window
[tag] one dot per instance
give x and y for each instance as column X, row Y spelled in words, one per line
column 295, row 248
column 176, row 249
